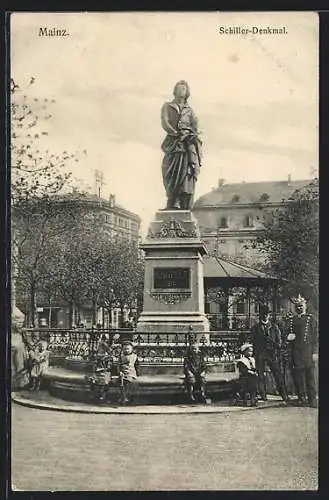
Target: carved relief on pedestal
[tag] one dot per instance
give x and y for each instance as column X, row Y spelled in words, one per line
column 172, row 229
column 171, row 297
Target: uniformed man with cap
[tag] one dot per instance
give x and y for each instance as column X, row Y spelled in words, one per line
column 267, row 345
column 303, row 340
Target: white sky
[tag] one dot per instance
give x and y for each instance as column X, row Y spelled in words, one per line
column 256, row 97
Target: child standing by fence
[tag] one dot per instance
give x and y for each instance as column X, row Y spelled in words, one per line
column 248, row 375
column 40, row 361
column 128, row 372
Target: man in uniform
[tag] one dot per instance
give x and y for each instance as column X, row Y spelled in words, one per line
column 267, row 345
column 303, row 341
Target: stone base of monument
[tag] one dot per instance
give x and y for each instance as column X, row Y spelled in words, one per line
column 173, row 284
column 152, row 388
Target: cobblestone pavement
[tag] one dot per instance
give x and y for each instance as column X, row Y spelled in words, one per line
column 272, row 449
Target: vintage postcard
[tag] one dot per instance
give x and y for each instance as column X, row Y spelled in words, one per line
column 164, row 240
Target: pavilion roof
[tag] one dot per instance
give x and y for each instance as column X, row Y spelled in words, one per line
column 216, row 266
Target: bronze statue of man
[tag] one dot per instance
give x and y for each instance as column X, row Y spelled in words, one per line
column 182, row 149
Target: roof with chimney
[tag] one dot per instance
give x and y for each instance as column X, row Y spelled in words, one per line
column 251, row 192
column 94, row 200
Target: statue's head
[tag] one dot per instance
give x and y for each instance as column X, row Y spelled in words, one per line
column 182, row 89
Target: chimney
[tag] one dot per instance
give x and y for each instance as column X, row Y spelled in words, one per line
column 112, row 200
column 289, row 179
column 220, row 183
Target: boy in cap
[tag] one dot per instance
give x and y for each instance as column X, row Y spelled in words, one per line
column 128, row 371
column 303, row 341
column 248, row 375
column 101, row 379
column 195, row 370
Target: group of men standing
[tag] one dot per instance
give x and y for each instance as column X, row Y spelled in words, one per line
column 298, row 349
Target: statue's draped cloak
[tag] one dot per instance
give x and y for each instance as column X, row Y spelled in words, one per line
column 178, row 156
column 19, row 356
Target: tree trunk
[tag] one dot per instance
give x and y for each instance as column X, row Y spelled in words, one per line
column 71, row 314
column 139, row 302
column 121, row 316
column 94, row 311
column 109, row 312
column 33, row 313
column 49, row 315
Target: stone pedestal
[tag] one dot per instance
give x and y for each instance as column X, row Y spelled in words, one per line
column 173, row 285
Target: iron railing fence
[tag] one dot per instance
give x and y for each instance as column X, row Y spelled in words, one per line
column 165, row 348
column 236, row 321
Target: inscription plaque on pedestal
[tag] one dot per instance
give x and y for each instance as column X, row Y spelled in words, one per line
column 173, row 298
column 171, row 278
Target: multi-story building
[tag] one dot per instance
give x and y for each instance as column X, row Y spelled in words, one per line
column 230, row 215
column 117, row 221
column 120, row 221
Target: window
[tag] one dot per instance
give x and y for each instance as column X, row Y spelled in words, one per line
column 235, row 198
column 237, row 250
column 248, row 221
column 134, row 227
column 278, row 305
column 223, row 222
column 240, row 306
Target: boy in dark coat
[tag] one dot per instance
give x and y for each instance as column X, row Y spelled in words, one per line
column 195, row 371
column 100, row 380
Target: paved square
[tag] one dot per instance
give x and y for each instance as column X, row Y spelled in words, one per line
column 270, row 449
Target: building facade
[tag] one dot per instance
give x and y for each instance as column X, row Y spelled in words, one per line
column 230, row 216
column 117, row 220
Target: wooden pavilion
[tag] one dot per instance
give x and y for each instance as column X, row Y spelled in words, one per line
column 234, row 292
